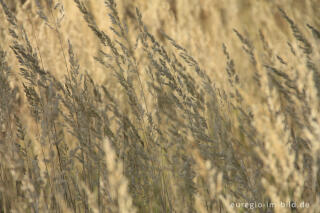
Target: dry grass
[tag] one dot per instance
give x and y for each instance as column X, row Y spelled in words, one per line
column 178, row 106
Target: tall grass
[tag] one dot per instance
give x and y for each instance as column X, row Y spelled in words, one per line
column 135, row 118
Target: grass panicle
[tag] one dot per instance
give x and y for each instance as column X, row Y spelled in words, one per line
column 143, row 111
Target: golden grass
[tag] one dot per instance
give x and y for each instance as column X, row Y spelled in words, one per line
column 177, row 106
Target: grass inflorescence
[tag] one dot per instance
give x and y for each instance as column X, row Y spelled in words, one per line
column 144, row 122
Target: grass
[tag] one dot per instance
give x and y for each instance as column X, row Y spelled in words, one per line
column 156, row 111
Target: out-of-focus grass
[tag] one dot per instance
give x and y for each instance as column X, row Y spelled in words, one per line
column 178, row 106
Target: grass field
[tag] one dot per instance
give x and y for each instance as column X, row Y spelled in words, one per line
column 159, row 106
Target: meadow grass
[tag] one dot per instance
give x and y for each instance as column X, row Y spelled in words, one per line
column 174, row 106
